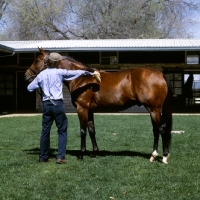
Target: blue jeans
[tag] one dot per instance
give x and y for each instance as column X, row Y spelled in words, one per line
column 53, row 112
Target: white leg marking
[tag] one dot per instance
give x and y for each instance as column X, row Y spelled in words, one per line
column 153, row 156
column 164, row 160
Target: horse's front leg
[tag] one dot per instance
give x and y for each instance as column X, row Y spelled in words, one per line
column 83, row 119
column 91, row 130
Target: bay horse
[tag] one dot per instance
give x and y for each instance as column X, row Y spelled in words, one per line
column 118, row 91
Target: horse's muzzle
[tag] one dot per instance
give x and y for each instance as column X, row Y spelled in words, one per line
column 28, row 78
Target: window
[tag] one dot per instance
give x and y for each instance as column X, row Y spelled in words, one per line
column 109, row 58
column 176, row 82
column 192, row 59
column 6, row 85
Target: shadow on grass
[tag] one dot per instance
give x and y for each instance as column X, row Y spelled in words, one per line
column 102, row 153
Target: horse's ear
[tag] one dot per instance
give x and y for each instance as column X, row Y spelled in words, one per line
column 41, row 50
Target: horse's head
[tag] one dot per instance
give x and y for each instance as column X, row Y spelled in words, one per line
column 37, row 66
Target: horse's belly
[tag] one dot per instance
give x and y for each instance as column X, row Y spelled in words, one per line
column 113, row 107
column 115, row 102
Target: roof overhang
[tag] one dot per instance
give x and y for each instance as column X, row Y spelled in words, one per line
column 119, row 49
column 104, row 49
column 101, row 45
column 6, row 49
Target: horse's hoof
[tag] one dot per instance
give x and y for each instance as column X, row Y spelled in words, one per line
column 153, row 156
column 152, row 159
column 164, row 160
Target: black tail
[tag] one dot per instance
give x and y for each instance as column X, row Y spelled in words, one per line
column 167, row 110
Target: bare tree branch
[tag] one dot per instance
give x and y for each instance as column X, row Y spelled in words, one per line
column 3, row 5
column 92, row 19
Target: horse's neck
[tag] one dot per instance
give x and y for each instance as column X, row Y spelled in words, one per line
column 78, row 66
column 73, row 65
column 70, row 65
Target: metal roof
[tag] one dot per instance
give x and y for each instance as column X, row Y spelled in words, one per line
column 5, row 48
column 103, row 45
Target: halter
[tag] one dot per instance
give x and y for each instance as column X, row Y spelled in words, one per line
column 36, row 72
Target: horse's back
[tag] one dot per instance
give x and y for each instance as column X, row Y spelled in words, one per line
column 132, row 79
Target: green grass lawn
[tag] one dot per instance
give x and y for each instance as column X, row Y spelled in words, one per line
column 121, row 171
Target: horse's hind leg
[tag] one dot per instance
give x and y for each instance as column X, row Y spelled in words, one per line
column 165, row 144
column 91, row 130
column 156, row 139
column 159, row 127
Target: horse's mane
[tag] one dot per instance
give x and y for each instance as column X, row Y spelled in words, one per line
column 72, row 59
column 88, row 68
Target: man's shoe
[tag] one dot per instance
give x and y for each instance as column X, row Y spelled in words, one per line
column 60, row 161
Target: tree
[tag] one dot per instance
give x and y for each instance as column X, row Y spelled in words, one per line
column 174, row 18
column 99, row 19
column 35, row 19
column 112, row 18
column 3, row 5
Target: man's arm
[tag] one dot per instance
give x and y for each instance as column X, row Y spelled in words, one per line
column 33, row 85
column 73, row 74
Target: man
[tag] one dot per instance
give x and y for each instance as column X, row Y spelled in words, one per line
column 50, row 81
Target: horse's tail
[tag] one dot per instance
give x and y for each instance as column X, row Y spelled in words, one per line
column 167, row 110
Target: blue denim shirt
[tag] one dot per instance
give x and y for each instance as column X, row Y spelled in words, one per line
column 51, row 81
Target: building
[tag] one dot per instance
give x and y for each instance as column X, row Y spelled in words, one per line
column 177, row 58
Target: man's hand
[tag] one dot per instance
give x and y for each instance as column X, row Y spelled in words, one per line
column 97, row 76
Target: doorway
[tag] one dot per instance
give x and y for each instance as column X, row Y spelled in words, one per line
column 7, row 92
column 26, row 101
column 192, row 91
